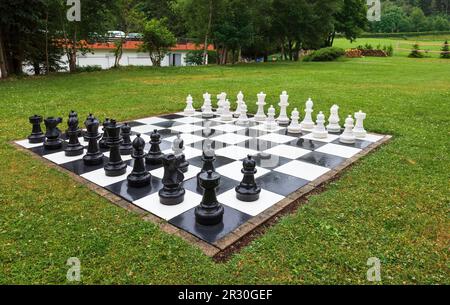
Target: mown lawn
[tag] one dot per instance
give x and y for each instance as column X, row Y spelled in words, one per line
column 394, row 204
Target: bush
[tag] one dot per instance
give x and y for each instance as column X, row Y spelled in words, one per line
column 415, row 52
column 325, row 54
column 195, row 58
column 89, row 68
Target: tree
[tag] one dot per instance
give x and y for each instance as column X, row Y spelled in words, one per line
column 415, row 52
column 418, row 20
column 350, row 20
column 157, row 40
column 445, row 51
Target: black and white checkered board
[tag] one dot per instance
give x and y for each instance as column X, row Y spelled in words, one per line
column 292, row 164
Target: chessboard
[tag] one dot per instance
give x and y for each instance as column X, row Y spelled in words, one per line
column 285, row 163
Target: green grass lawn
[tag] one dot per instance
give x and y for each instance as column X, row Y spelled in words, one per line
column 393, row 204
column 402, row 47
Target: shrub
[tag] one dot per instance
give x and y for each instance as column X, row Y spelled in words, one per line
column 325, row 54
column 92, row 68
column 445, row 51
column 195, row 58
column 415, row 52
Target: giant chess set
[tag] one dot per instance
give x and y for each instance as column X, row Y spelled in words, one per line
column 205, row 171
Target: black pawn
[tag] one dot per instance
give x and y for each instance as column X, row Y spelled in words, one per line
column 208, row 158
column 115, row 166
column 248, row 190
column 126, row 147
column 71, row 115
column 93, row 156
column 36, row 136
column 139, row 177
column 172, row 192
column 52, row 133
column 74, row 148
column 154, row 156
column 210, row 211
column 104, row 139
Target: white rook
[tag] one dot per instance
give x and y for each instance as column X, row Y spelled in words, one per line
column 359, row 130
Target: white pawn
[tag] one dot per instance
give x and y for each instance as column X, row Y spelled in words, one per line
column 333, row 121
column 295, row 127
column 270, row 122
column 308, row 122
column 221, row 99
column 243, row 118
column 283, row 118
column 347, row 136
column 260, row 116
column 359, row 130
column 207, row 107
column 319, row 131
column 240, row 100
column 226, row 114
column 189, row 110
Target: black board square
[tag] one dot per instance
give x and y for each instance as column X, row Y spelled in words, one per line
column 149, row 167
column 214, row 144
column 41, row 151
column 232, row 219
column 306, row 144
column 78, row 167
column 167, row 124
column 322, row 159
column 171, row 116
column 226, row 184
column 280, row 183
column 163, row 146
column 257, row 144
column 135, row 124
column 220, row 161
column 251, row 132
column 129, row 193
column 207, row 133
column 358, row 143
column 164, row 133
column 206, row 123
column 270, row 161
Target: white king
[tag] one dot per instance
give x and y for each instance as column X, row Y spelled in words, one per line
column 260, row 115
column 283, row 118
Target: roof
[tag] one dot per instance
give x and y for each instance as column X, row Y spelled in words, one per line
column 134, row 45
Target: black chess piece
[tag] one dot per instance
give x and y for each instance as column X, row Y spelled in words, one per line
column 172, row 192
column 36, row 136
column 248, row 190
column 208, row 158
column 210, row 211
column 139, row 177
column 52, row 134
column 74, row 148
column 154, row 156
column 126, row 147
column 311, row 144
column 93, row 156
column 79, row 131
column 104, row 139
column 115, row 166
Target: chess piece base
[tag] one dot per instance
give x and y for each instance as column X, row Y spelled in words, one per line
column 114, row 170
column 334, row 128
column 53, row 144
column 347, row 140
column 126, row 150
column 247, row 195
column 189, row 112
column 283, row 121
column 139, row 180
column 75, row 150
column 260, row 118
column 360, row 134
column 171, row 197
column 226, row 117
column 320, row 135
column 207, row 115
column 209, row 217
column 307, row 126
column 36, row 138
column 95, row 159
column 271, row 126
column 294, row 129
column 242, row 123
column 154, row 159
column 184, row 165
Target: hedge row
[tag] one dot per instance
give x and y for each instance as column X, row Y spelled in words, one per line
column 404, row 34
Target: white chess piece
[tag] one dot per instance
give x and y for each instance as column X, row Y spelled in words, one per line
column 359, row 130
column 295, row 127
column 243, row 119
column 319, row 132
column 221, row 99
column 270, row 122
column 189, row 110
column 240, row 100
column 333, row 121
column 260, row 116
column 207, row 107
column 283, row 118
column 307, row 122
column 226, row 114
column 347, row 136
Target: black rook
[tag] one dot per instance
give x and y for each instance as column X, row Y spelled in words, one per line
column 115, row 166
column 93, row 156
column 36, row 136
column 52, row 134
column 210, row 211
